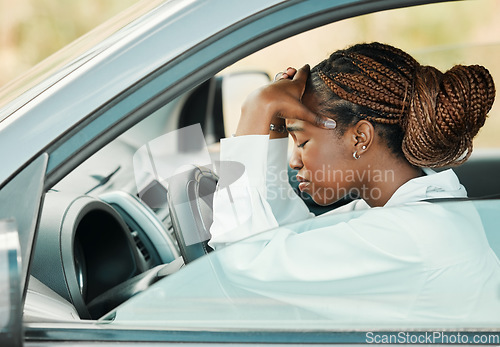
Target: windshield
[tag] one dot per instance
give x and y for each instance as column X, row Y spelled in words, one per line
column 67, row 59
column 237, row 287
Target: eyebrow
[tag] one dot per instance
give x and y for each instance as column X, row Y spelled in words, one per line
column 294, row 128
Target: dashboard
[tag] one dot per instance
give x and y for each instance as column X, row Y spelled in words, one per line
column 87, row 246
column 101, row 238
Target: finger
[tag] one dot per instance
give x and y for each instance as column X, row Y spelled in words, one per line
column 301, row 112
column 291, row 72
column 280, row 75
column 285, row 76
column 301, row 77
column 302, row 74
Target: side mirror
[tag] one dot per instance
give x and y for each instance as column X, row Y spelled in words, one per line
column 11, row 333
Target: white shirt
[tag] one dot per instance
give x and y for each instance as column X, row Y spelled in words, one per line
column 409, row 261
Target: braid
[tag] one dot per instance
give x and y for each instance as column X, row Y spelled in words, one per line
column 442, row 134
column 380, row 85
column 380, row 73
column 365, row 93
column 429, row 117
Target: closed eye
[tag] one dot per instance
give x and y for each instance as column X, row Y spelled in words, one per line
column 302, row 144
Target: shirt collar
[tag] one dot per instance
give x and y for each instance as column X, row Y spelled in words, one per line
column 444, row 184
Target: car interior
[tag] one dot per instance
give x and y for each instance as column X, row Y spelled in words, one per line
column 103, row 237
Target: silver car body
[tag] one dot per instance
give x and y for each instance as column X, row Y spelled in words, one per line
column 86, row 102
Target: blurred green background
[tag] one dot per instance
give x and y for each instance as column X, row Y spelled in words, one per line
column 31, row 30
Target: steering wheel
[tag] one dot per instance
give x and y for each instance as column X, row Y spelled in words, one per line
column 190, row 201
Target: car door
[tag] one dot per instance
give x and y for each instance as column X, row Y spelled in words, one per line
column 136, row 99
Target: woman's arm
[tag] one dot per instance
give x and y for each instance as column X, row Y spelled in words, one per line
column 259, row 200
column 275, row 102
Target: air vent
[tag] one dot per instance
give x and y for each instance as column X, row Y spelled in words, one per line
column 140, row 246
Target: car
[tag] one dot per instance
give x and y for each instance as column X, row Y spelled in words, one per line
column 111, row 155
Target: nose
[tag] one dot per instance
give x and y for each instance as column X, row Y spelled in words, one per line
column 295, row 161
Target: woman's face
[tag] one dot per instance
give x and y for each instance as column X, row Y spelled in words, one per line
column 324, row 159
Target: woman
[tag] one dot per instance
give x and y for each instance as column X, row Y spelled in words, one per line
column 372, row 121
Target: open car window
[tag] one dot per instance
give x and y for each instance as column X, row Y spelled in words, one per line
column 215, row 104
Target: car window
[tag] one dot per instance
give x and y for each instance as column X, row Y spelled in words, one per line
column 429, row 33
column 220, row 291
column 215, row 104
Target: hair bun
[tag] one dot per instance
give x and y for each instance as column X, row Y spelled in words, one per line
column 446, row 112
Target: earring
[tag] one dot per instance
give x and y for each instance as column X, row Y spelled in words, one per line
column 364, row 147
column 355, row 155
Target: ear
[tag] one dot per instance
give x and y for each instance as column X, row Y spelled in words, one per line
column 363, row 134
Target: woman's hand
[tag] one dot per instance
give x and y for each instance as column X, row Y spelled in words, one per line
column 275, row 102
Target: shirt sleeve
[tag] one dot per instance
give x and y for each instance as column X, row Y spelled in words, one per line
column 329, row 269
column 253, row 194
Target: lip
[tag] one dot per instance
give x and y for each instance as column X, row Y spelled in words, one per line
column 303, row 186
column 303, row 183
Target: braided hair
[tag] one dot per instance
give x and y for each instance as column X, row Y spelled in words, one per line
column 426, row 116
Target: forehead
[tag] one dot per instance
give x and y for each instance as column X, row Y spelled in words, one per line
column 295, row 126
